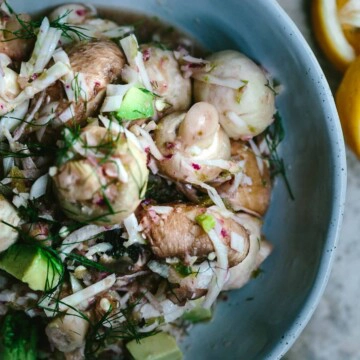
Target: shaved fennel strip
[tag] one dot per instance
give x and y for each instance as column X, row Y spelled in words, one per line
column 236, row 119
column 132, row 228
column 161, row 210
column 123, row 176
column 118, row 32
column 61, row 56
column 38, row 189
column 66, row 115
column 45, row 119
column 19, row 131
column 135, row 59
column 84, row 294
column 213, row 194
column 155, row 152
column 98, row 248
column 47, row 49
column 258, row 156
column 49, row 76
column 131, row 137
column 194, row 60
column 229, row 165
column 8, row 164
column 211, row 79
column 14, row 118
column 139, row 61
column 237, row 242
column 115, row 95
column 111, row 125
column 27, row 68
column 78, row 236
column 130, row 47
column 221, row 271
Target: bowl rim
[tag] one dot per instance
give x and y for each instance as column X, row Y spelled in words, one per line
column 338, row 156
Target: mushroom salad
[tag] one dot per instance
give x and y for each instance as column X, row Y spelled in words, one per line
column 134, row 179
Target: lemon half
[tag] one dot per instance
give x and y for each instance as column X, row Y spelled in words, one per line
column 348, row 105
column 334, row 23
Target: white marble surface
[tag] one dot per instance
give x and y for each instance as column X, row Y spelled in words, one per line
column 333, row 333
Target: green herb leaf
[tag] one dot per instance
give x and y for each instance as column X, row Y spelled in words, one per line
column 274, row 135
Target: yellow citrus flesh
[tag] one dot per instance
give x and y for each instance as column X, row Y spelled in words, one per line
column 348, row 105
column 330, row 34
column 351, row 32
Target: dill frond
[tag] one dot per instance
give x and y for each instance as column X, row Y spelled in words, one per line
column 274, row 135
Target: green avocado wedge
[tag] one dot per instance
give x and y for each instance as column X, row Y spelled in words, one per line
column 138, row 103
column 33, row 265
column 160, row 346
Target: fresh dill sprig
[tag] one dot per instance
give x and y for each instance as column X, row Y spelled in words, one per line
column 84, row 261
column 79, row 92
column 70, row 135
column 274, row 135
column 32, row 149
column 270, row 85
column 69, row 31
column 127, row 328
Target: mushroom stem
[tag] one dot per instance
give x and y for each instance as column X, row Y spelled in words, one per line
column 200, row 125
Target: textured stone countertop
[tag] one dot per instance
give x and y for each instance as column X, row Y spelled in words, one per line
column 333, row 333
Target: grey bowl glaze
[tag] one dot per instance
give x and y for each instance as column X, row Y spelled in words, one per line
column 262, row 320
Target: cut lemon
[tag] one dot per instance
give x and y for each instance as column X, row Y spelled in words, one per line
column 349, row 14
column 348, row 105
column 335, row 24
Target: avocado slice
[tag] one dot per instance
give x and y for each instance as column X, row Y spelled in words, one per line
column 33, row 265
column 138, row 103
column 198, row 314
column 160, row 346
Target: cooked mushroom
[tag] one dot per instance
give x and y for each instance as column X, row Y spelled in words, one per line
column 75, row 14
column 250, row 189
column 259, row 250
column 9, row 220
column 191, row 286
column 186, row 140
column 67, row 333
column 106, row 184
column 99, row 63
column 240, row 91
column 177, row 234
column 166, row 78
column 88, row 22
column 16, row 48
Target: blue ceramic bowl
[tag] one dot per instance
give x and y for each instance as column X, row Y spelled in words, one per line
column 263, row 319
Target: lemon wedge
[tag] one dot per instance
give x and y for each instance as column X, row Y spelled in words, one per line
column 334, row 23
column 348, row 105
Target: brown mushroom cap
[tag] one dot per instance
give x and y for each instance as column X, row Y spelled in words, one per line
column 16, row 49
column 100, row 62
column 177, row 234
column 253, row 195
